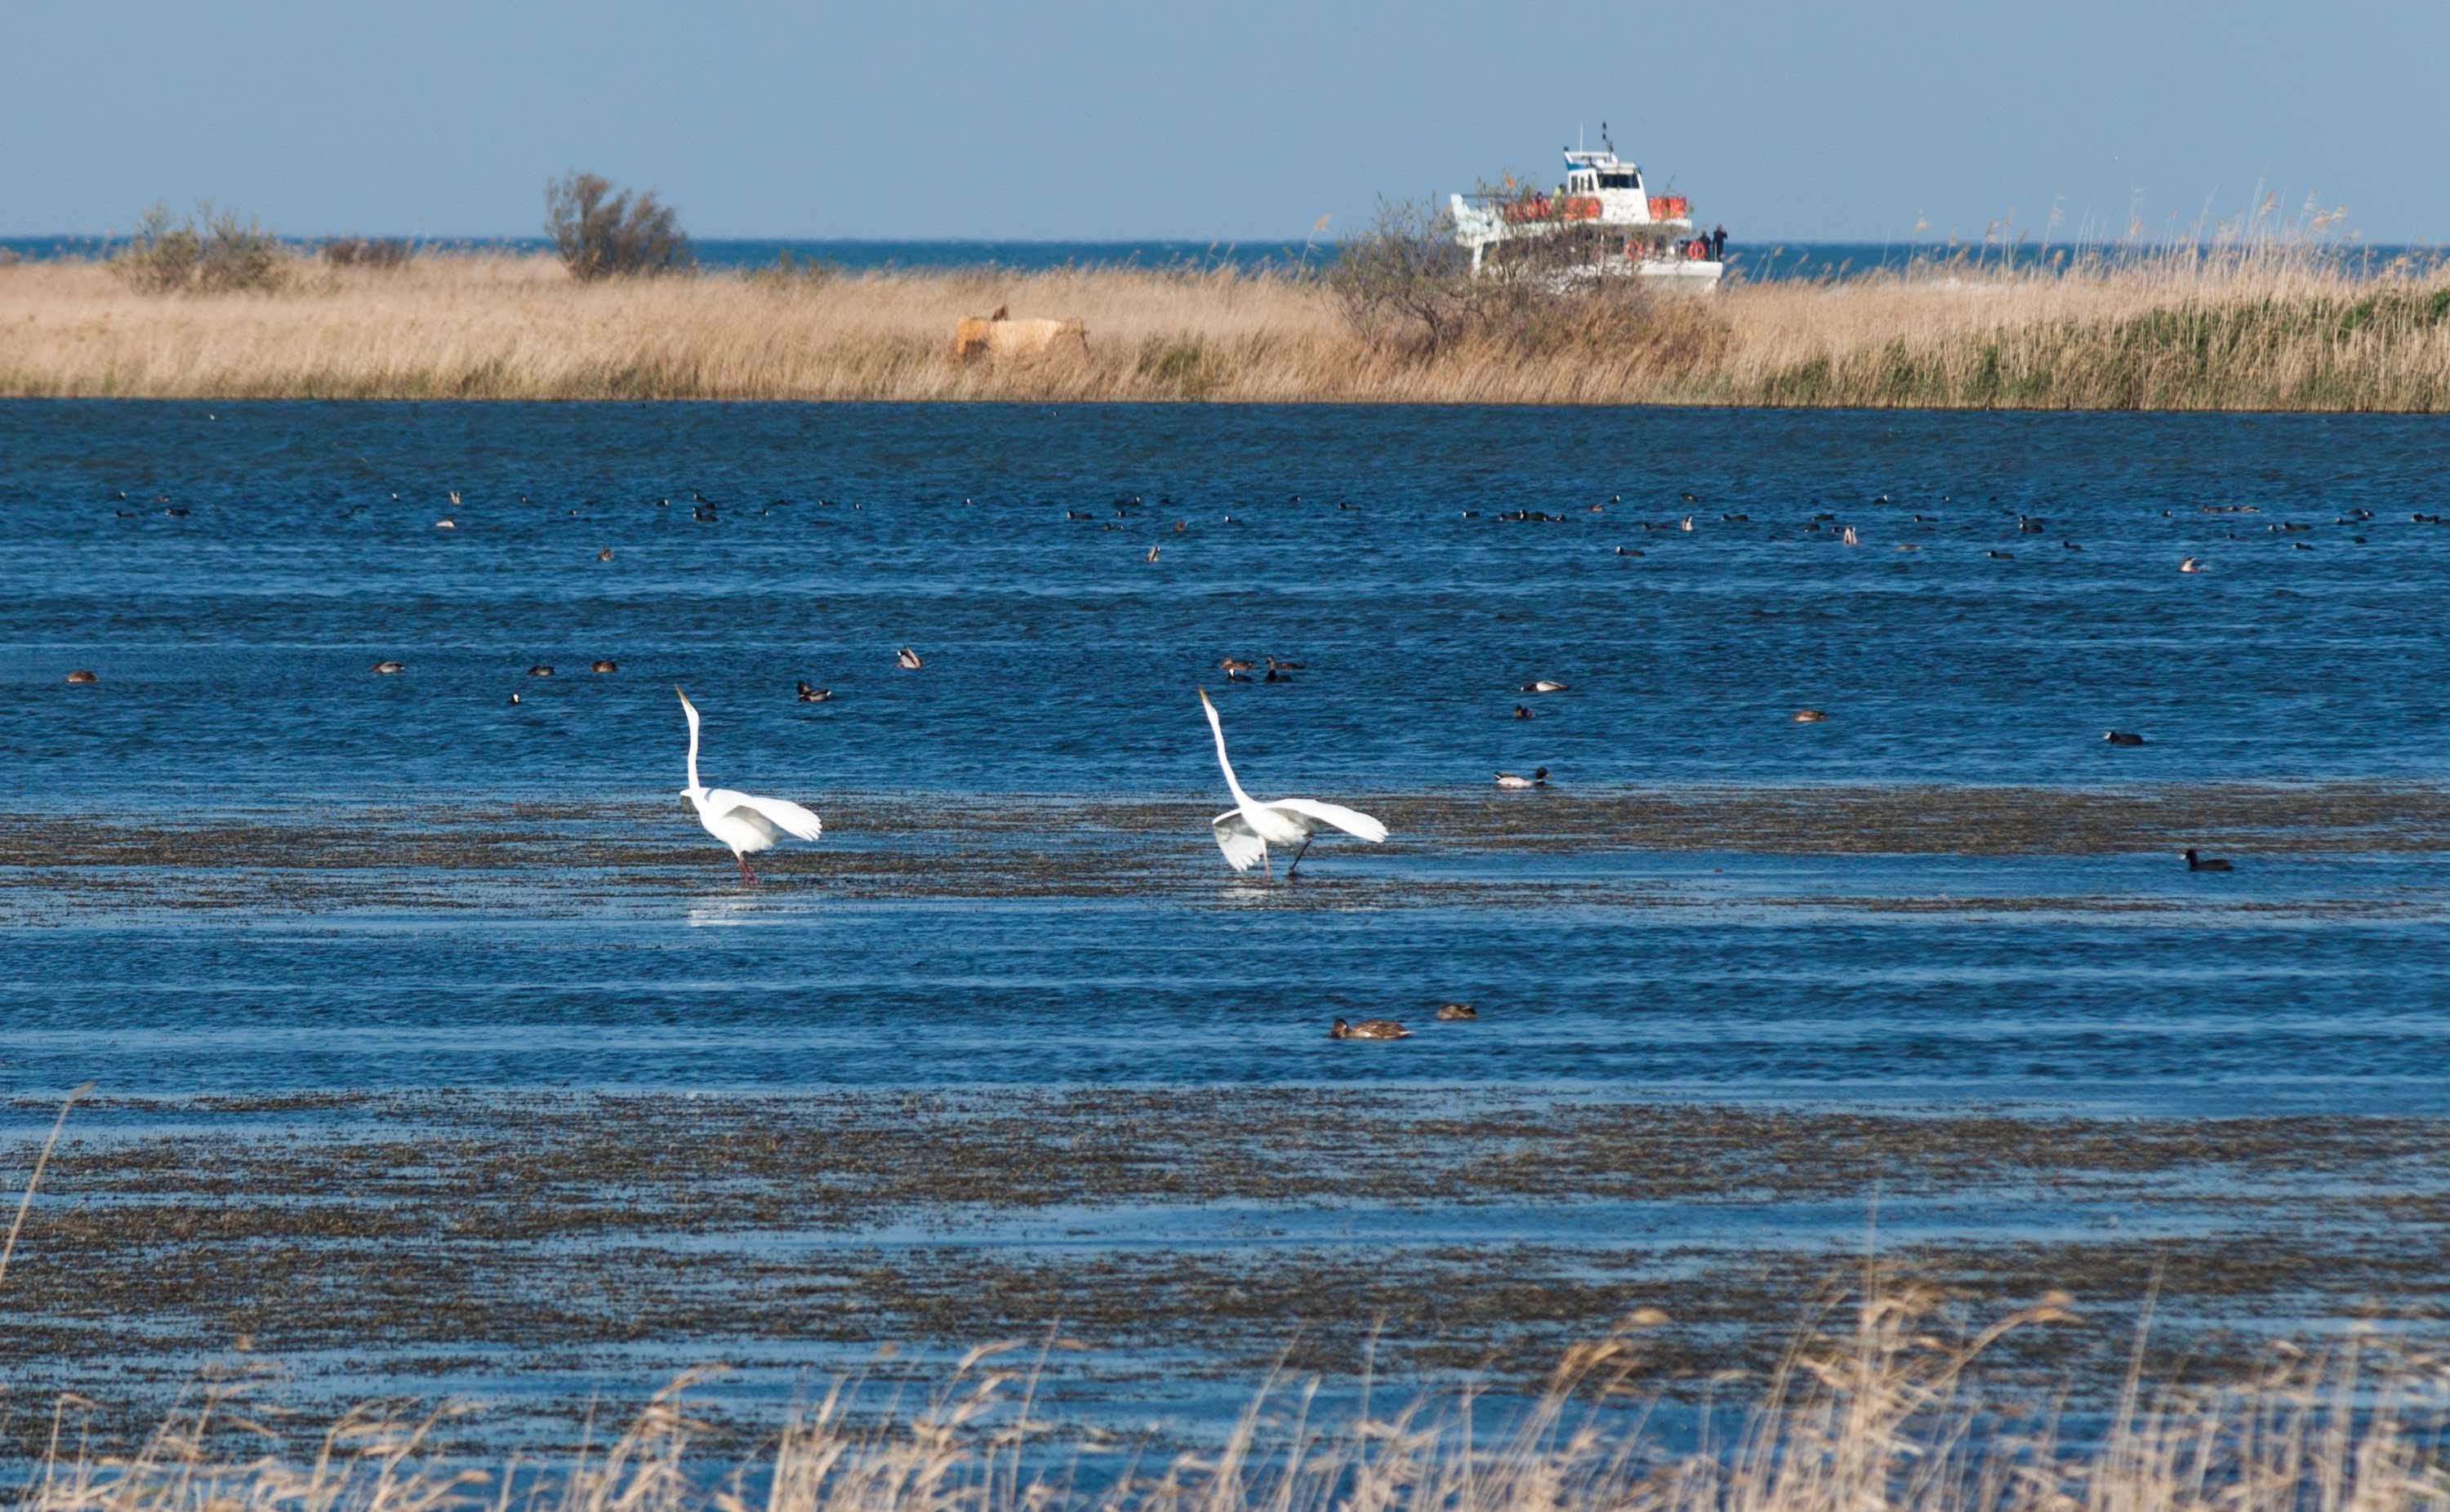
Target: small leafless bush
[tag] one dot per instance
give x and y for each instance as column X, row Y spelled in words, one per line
column 1404, row 285
column 600, row 234
column 1403, row 281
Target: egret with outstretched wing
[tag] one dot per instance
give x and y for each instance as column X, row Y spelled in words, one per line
column 1245, row 831
column 742, row 821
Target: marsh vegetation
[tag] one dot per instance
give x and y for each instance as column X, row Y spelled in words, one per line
column 2270, row 324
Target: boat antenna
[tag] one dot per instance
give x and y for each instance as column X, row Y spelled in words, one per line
column 1603, row 137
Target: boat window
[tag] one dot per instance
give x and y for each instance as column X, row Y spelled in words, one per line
column 1620, row 180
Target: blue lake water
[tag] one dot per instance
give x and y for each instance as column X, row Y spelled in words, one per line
column 233, row 643
column 1017, row 896
column 233, row 640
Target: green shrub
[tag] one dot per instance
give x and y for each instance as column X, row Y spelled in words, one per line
column 600, row 234
column 388, row 253
column 210, row 252
column 791, row 275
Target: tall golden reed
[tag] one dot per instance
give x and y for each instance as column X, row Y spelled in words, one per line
column 1887, row 1415
column 2262, row 326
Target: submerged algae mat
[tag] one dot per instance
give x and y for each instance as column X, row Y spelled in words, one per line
column 1004, row 846
column 534, row 1251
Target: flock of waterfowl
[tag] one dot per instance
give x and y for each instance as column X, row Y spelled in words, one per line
column 1246, row 833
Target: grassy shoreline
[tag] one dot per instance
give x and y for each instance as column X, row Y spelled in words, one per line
column 2186, row 330
column 1884, row 1404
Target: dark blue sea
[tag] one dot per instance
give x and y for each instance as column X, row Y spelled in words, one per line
column 1765, row 259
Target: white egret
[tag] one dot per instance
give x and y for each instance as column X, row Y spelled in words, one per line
column 741, row 821
column 1245, row 831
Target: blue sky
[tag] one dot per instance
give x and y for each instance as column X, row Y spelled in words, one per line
column 1784, row 119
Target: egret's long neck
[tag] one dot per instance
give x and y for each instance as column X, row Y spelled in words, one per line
column 694, row 784
column 1218, row 726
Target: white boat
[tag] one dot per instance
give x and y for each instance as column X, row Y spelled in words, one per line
column 1618, row 225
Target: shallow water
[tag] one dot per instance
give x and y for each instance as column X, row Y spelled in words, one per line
column 329, row 881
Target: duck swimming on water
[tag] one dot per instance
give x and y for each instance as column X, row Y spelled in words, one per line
column 2201, row 863
column 2122, row 737
column 1450, row 1012
column 813, row 695
column 1368, row 1029
column 1539, row 778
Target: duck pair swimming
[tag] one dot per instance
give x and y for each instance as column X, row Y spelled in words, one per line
column 1389, row 1029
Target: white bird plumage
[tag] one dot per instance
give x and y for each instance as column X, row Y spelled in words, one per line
column 1245, row 831
column 744, row 821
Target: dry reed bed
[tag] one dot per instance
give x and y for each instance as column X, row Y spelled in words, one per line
column 2186, row 330
column 1889, row 1413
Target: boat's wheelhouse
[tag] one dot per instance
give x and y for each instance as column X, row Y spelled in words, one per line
column 1616, row 185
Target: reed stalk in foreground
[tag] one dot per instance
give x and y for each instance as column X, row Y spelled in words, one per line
column 2254, row 326
column 1889, row 1412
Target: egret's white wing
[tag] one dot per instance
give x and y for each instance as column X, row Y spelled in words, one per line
column 724, row 804
column 1335, row 816
column 772, row 815
column 1242, row 844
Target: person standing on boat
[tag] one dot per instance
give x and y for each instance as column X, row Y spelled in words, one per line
column 1719, row 244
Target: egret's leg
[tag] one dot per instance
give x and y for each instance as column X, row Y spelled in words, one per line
column 1300, row 854
column 746, row 874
